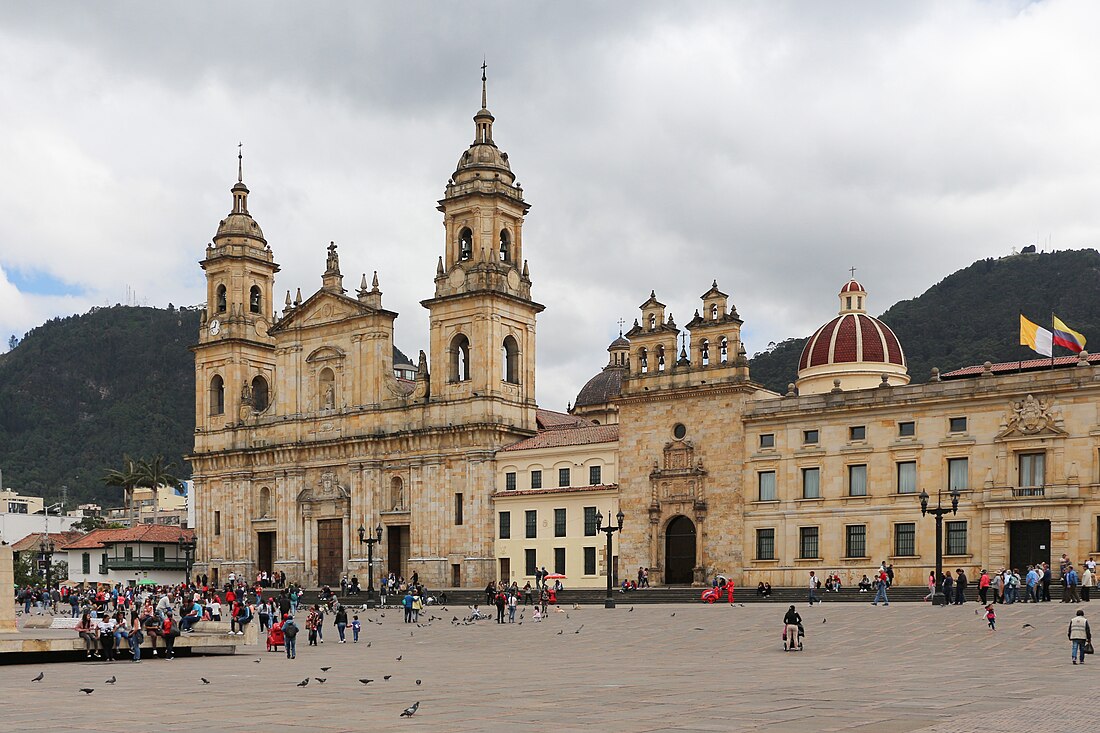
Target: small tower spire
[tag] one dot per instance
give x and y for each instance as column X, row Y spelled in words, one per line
column 240, row 163
column 484, row 98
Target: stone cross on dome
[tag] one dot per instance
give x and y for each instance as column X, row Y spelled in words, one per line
column 852, row 272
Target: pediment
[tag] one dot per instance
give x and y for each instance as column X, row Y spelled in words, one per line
column 327, row 489
column 1031, row 417
column 320, row 308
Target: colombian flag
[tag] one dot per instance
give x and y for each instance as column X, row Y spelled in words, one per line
column 1067, row 337
column 1035, row 336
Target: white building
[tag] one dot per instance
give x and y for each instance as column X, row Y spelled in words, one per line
column 148, row 552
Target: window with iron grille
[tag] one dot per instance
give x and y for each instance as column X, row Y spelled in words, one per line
column 531, row 519
column 559, row 522
column 506, row 525
column 807, row 543
column 590, row 521
column 855, row 540
column 956, row 538
column 765, row 544
column 536, row 479
column 595, row 475
column 905, row 539
column 563, row 477
column 590, row 561
column 510, row 481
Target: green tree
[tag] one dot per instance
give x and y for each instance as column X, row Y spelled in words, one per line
column 155, row 474
column 129, row 477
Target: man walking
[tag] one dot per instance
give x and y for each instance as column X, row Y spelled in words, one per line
column 881, row 584
column 960, row 587
column 1046, row 583
column 1071, row 585
column 1032, row 580
column 812, row 588
column 1079, row 635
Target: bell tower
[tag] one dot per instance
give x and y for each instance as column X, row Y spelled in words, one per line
column 235, row 355
column 482, row 315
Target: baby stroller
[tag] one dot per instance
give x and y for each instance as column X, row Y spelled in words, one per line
column 275, row 637
column 801, row 635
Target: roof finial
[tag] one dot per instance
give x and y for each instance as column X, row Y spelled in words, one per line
column 852, row 272
column 240, row 164
column 484, row 100
column 621, row 323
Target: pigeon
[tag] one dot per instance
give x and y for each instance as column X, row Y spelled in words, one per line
column 87, row 690
column 321, row 679
column 386, row 677
column 110, row 681
column 304, row 682
column 579, row 629
column 399, row 658
column 631, row 610
column 697, row 628
column 365, row 681
column 672, row 615
column 257, row 661
column 325, row 669
column 1026, row 626
column 411, row 710
column 824, row 620
column 368, row 645
column 418, row 682
column 204, row 680
column 560, row 632
column 39, row 677
column 454, row 619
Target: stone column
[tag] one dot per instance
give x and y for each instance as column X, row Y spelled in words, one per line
column 7, row 582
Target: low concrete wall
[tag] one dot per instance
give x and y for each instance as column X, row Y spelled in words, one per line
column 7, row 584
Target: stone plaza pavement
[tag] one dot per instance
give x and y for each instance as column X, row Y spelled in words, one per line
column 905, row 667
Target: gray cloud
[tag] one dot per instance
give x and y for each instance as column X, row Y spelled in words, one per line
column 770, row 146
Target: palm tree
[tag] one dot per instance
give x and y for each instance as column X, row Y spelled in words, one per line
column 154, row 474
column 127, row 479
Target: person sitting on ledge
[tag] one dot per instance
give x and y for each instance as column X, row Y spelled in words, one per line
column 760, row 588
column 864, row 584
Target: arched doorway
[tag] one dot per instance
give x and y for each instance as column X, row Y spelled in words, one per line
column 680, row 551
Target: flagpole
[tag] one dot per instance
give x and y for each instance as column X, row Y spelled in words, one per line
column 1052, row 329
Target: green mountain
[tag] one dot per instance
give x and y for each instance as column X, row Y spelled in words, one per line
column 974, row 315
column 78, row 392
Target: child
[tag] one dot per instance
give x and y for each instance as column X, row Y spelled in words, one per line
column 355, row 625
column 991, row 617
column 538, row 614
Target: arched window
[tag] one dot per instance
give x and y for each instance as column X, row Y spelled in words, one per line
column 714, row 311
column 217, row 395
column 254, row 299
column 704, row 352
column 460, row 358
column 221, row 305
column 660, row 358
column 259, row 394
column 505, row 246
column 465, row 244
column 326, row 389
column 510, row 352
column 265, row 502
column 723, row 350
column 643, row 360
column 652, row 321
column 397, row 493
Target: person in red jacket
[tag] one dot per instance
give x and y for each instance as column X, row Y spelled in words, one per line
column 729, row 590
column 983, row 587
column 168, row 632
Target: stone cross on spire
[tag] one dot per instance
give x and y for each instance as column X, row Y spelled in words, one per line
column 484, row 99
column 240, row 164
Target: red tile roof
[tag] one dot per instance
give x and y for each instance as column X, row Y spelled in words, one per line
column 549, row 419
column 156, row 533
column 30, row 542
column 557, row 490
column 1027, row 365
column 581, row 435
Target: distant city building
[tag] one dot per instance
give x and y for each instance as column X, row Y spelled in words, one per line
column 147, row 553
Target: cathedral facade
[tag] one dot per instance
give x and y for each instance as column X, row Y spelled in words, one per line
column 304, row 431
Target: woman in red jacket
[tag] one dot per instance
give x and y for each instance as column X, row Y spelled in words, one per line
column 169, row 632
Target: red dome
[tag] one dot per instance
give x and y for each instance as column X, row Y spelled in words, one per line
column 852, row 286
column 852, row 337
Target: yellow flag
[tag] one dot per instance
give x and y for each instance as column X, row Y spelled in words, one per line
column 1036, row 337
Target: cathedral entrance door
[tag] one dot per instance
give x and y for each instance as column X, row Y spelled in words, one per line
column 679, row 551
column 265, row 551
column 397, row 557
column 330, row 551
column 1029, row 543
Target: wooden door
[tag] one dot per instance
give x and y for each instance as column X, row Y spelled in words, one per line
column 679, row 551
column 330, row 551
column 1029, row 543
column 506, row 569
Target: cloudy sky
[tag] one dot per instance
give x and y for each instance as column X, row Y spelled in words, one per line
column 662, row 145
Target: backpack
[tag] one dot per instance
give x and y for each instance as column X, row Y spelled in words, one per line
column 290, row 630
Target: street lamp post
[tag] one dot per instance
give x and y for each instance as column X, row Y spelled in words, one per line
column 187, row 547
column 609, row 530
column 46, row 550
column 938, row 599
column 370, row 542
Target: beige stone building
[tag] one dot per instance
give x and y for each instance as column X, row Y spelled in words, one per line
column 550, row 487
column 304, row 431
column 738, row 480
